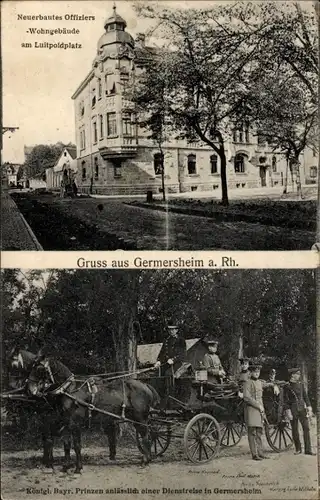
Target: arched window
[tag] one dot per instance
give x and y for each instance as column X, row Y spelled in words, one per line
column 93, row 102
column 214, row 164
column 274, row 164
column 84, row 171
column 239, row 166
column 157, row 163
column 96, row 169
column 192, row 164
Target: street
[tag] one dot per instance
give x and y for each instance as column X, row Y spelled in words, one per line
column 284, row 475
column 55, row 223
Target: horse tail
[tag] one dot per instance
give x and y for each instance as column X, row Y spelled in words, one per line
column 155, row 396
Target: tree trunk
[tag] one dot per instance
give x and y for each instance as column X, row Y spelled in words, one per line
column 223, row 175
column 162, row 180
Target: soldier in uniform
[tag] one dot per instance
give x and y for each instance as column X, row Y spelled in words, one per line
column 173, row 352
column 254, row 413
column 212, row 363
column 244, row 374
column 297, row 401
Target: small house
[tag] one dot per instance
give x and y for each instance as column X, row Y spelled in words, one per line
column 147, row 354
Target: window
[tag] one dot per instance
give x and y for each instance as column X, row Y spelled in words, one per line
column 313, row 172
column 274, row 164
column 124, row 78
column 65, row 153
column 106, row 83
column 111, row 124
column 126, row 124
column 84, row 171
column 101, row 126
column 157, row 163
column 241, row 134
column 95, row 132
column 81, row 108
column 214, row 164
column 117, row 170
column 239, row 164
column 96, row 169
column 82, row 139
column 99, row 88
column 234, row 135
column 93, row 101
column 111, row 27
column 113, row 89
column 192, row 164
column 247, row 133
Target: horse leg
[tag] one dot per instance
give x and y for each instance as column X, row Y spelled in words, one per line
column 67, row 449
column 76, row 435
column 110, row 429
column 145, row 442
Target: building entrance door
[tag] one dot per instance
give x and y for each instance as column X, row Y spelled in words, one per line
column 263, row 176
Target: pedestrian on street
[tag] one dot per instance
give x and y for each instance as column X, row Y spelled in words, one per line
column 298, row 402
column 212, row 363
column 254, row 413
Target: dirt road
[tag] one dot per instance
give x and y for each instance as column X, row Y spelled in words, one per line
column 232, row 475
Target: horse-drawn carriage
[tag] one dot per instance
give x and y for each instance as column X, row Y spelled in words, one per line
column 206, row 416
column 213, row 417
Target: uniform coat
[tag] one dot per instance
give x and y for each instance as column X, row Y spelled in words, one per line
column 243, row 377
column 174, row 348
column 252, row 396
column 297, row 398
column 213, row 365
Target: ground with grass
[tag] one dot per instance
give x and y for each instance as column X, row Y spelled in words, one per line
column 109, row 224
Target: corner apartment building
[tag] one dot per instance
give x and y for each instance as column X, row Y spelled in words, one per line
column 114, row 156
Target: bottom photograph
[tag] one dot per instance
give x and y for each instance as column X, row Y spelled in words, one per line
column 148, row 384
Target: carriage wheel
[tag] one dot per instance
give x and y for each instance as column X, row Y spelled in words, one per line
column 159, row 436
column 279, row 436
column 202, row 438
column 231, row 433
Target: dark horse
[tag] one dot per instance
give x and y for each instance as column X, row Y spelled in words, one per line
column 19, row 365
column 122, row 397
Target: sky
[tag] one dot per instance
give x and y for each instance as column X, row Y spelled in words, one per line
column 38, row 83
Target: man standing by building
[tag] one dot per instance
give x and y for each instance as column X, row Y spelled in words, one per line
column 297, row 401
column 171, row 356
column 254, row 414
column 212, row 363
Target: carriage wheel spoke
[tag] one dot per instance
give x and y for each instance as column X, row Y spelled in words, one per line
column 288, row 435
column 280, row 433
column 284, row 438
column 276, row 435
column 238, row 432
column 196, row 449
column 204, row 449
column 232, row 432
column 224, row 433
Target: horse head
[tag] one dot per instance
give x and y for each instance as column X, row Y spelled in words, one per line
column 46, row 373
column 19, row 364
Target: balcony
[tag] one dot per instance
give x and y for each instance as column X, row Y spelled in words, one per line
column 118, row 148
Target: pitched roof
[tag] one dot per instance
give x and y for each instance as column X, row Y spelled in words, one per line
column 148, row 353
column 72, row 150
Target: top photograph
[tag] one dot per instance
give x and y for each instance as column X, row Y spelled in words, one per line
column 159, row 125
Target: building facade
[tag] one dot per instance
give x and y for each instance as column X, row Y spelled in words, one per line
column 65, row 166
column 114, row 155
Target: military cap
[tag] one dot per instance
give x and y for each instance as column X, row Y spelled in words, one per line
column 173, row 327
column 293, row 370
column 212, row 341
column 255, row 365
column 244, row 360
